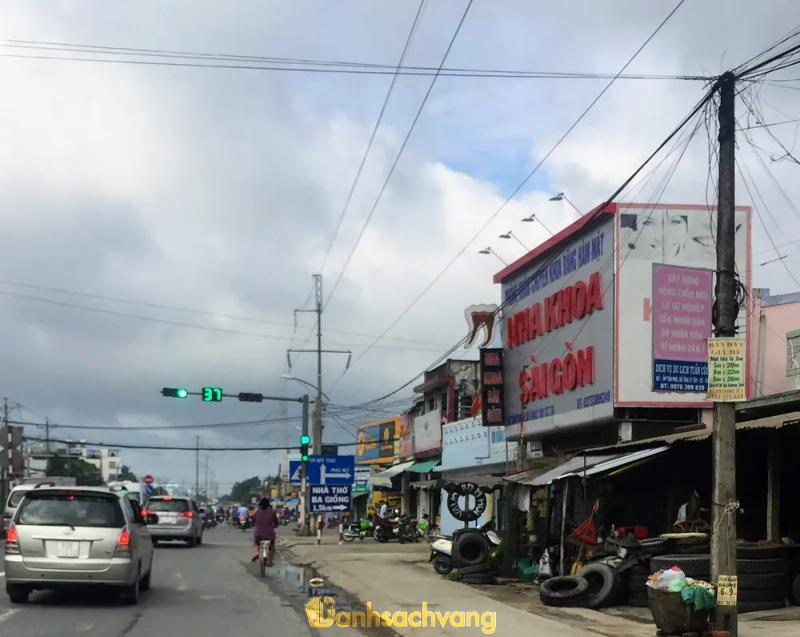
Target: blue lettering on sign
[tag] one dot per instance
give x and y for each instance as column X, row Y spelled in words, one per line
column 680, row 376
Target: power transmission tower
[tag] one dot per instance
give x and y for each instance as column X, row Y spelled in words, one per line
column 723, row 499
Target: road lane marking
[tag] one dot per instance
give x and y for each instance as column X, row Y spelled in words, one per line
column 182, row 586
column 4, row 615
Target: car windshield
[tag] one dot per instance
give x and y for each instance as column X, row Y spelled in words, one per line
column 168, row 506
column 68, row 509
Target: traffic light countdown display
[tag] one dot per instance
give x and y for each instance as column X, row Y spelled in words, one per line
column 212, row 394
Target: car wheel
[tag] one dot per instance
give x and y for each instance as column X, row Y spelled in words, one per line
column 18, row 594
column 192, row 541
column 155, row 542
column 144, row 583
column 200, row 539
column 130, row 594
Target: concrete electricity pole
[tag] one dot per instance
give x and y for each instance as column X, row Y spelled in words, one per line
column 723, row 498
column 197, row 468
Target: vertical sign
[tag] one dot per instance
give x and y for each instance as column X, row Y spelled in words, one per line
column 492, row 386
column 681, row 317
column 727, row 373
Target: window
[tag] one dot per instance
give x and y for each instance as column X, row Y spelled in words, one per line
column 168, row 506
column 71, row 509
column 137, row 512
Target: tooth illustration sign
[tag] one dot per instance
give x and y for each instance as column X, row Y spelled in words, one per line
column 480, row 317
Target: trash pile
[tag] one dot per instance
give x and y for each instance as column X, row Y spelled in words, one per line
column 695, row 592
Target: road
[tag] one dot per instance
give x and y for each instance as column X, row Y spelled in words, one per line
column 212, row 589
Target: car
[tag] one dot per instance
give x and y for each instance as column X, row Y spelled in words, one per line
column 178, row 519
column 64, row 537
column 12, row 502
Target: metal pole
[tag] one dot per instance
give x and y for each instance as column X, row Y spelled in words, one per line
column 197, row 468
column 723, row 536
column 47, row 435
column 317, row 437
column 305, row 499
column 205, row 491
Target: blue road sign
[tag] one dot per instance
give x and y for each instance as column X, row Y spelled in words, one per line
column 324, row 470
column 330, row 498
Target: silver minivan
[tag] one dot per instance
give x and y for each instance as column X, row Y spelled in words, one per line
column 12, row 502
column 72, row 536
column 178, row 519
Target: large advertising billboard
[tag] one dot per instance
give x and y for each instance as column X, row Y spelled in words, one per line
column 376, row 442
column 558, row 334
column 428, row 434
column 666, row 257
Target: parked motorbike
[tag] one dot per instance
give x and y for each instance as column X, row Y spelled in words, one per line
column 442, row 549
column 358, row 530
column 400, row 528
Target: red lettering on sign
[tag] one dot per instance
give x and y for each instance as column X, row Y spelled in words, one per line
column 595, row 295
column 567, row 373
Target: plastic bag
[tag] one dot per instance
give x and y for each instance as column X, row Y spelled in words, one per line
column 544, row 565
column 672, row 580
column 701, row 597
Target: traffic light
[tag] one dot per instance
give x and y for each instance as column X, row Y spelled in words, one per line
column 305, row 440
column 247, row 397
column 212, row 394
column 175, row 392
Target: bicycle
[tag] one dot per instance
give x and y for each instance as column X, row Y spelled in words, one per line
column 266, row 555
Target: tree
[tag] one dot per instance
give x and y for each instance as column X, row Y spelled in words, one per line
column 160, row 491
column 85, row 473
column 244, row 491
column 126, row 474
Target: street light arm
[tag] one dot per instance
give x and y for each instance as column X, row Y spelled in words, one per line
column 305, row 382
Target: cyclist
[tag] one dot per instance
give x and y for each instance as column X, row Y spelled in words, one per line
column 266, row 521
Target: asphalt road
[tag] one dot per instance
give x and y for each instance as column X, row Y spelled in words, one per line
column 212, row 589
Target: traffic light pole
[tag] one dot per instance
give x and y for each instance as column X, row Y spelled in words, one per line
column 305, row 495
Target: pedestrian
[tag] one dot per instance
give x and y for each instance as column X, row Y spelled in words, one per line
column 342, row 522
column 320, row 527
column 383, row 513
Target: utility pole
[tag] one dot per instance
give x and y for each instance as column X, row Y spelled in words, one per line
column 197, row 468
column 316, row 439
column 47, row 436
column 723, row 498
column 305, row 492
column 5, row 461
column 206, row 477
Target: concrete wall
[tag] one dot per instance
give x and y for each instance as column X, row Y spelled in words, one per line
column 773, row 317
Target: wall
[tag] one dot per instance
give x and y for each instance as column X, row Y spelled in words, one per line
column 466, row 443
column 773, row 317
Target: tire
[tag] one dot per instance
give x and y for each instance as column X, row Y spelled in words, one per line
column 442, row 565
column 200, row 539
column 749, row 581
column 653, row 547
column 18, row 594
column 469, row 549
column 155, row 542
column 603, row 584
column 479, row 578
column 144, row 583
column 767, row 565
column 381, row 536
column 483, row 567
column 762, row 595
column 263, row 566
column 796, row 591
column 131, row 594
column 348, row 538
column 691, row 549
column 748, row 551
column 192, row 541
column 566, row 590
column 697, row 566
column 639, row 600
column 750, row 607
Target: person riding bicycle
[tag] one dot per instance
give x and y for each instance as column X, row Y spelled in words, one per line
column 265, row 522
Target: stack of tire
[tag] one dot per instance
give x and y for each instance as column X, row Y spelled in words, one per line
column 763, row 574
column 636, row 575
column 596, row 585
column 470, row 555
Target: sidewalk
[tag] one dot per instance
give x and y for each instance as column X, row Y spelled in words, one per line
column 398, row 577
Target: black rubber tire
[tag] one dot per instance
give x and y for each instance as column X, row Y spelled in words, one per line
column 442, row 565
column 750, row 607
column 695, row 566
column 479, row 578
column 763, row 580
column 131, row 595
column 144, row 583
column 768, row 565
column 192, row 541
column 639, row 601
column 18, row 594
column 483, row 567
column 566, row 590
column 347, row 537
column 155, row 542
column 603, row 584
column 653, row 546
column 469, row 549
column 762, row 595
column 796, row 591
column 637, row 582
column 691, row 549
column 749, row 551
column 200, row 539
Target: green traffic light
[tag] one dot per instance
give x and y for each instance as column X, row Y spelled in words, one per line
column 304, row 458
column 181, row 392
column 305, row 440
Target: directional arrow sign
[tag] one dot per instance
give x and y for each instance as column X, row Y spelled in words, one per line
column 327, row 498
column 325, row 470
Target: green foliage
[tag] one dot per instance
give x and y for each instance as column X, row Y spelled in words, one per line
column 454, row 575
column 243, row 491
column 126, row 474
column 85, row 473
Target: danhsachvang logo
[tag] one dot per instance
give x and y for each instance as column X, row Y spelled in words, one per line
column 321, row 613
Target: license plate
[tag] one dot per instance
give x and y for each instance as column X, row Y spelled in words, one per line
column 68, row 549
column 168, row 519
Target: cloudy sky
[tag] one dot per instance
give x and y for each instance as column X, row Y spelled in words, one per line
column 218, row 191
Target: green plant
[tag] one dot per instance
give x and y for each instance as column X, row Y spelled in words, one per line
column 454, row 575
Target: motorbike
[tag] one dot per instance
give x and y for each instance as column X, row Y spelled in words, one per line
column 245, row 524
column 359, row 530
column 442, row 549
column 400, row 528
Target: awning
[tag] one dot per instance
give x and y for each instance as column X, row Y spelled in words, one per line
column 425, row 484
column 590, row 466
column 360, row 494
column 424, row 466
column 484, row 479
column 541, row 466
column 384, row 478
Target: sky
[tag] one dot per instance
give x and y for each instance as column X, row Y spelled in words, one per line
column 217, row 192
